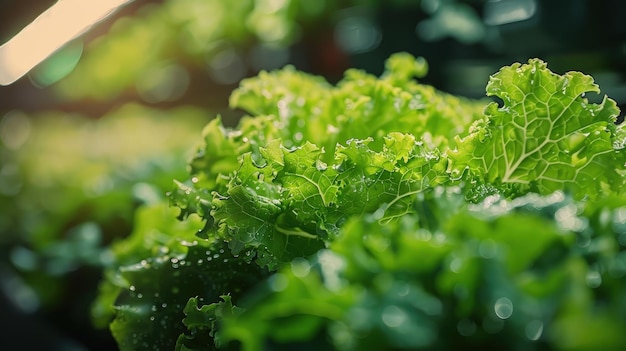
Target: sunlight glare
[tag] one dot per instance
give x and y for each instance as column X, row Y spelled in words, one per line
column 61, row 23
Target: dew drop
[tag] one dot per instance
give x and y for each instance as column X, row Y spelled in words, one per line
column 380, row 212
column 321, row 166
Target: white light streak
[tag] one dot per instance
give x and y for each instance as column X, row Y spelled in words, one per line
column 61, row 23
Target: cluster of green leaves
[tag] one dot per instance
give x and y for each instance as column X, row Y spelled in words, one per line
column 314, row 155
column 390, row 215
column 535, row 273
column 546, row 137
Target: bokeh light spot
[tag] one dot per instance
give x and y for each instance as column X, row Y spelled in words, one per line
column 163, row 83
column 15, row 128
column 503, row 308
column 393, row 316
column 508, row 11
column 534, row 329
column 227, row 67
column 268, row 57
column 357, row 34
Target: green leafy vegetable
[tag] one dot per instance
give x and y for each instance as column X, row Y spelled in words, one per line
column 147, row 297
column 461, row 283
column 283, row 182
column 389, row 215
column 546, row 136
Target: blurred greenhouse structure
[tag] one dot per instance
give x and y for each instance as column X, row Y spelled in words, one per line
column 103, row 126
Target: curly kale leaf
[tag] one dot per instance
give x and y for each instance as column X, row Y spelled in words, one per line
column 294, row 203
column 299, row 108
column 545, row 137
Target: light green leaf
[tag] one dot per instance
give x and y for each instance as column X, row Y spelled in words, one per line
column 545, row 137
column 309, row 182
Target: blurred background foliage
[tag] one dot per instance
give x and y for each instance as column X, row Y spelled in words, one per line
column 106, row 123
column 69, row 187
column 165, row 52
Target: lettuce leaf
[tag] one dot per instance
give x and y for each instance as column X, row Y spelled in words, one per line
column 283, row 182
column 546, row 135
column 294, row 203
